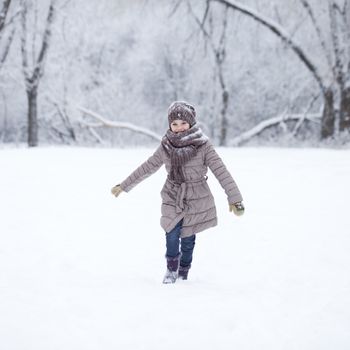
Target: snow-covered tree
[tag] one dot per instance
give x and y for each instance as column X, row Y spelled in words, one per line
column 126, row 61
column 34, row 48
column 334, row 80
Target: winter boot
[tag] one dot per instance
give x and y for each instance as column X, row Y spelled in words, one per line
column 183, row 272
column 172, row 267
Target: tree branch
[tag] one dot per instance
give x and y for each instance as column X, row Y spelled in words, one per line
column 201, row 23
column 281, row 33
column 117, row 124
column 39, row 68
column 173, row 11
column 7, row 47
column 3, row 13
column 256, row 130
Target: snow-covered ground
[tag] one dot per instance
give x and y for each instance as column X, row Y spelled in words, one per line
column 81, row 270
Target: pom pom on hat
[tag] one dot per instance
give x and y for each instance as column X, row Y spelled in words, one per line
column 182, row 110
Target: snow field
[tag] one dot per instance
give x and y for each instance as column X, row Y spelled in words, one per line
column 80, row 269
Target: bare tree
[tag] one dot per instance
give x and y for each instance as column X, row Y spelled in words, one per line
column 4, row 11
column 33, row 71
column 219, row 51
column 335, row 91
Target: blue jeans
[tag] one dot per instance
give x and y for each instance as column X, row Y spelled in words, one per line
column 173, row 245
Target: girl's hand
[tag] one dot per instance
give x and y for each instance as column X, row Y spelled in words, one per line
column 116, row 190
column 237, row 208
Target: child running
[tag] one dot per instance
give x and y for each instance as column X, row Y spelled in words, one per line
column 187, row 203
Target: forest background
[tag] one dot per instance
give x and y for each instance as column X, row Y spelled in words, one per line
column 259, row 72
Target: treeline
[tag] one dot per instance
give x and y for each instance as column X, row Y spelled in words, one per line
column 104, row 72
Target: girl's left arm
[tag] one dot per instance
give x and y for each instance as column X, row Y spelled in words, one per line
column 218, row 168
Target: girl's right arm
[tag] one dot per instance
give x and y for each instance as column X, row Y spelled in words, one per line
column 150, row 166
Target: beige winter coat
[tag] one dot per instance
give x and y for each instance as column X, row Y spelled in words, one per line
column 192, row 200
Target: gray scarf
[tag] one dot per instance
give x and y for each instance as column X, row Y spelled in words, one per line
column 182, row 147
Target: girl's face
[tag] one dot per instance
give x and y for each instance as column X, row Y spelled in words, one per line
column 179, row 125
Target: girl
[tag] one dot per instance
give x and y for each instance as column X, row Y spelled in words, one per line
column 187, row 203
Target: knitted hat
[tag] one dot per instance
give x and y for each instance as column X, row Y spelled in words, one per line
column 182, row 110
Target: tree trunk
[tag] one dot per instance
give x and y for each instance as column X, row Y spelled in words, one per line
column 328, row 115
column 32, row 76
column 344, row 122
column 32, row 118
column 224, row 122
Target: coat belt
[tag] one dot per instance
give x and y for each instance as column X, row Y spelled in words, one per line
column 180, row 206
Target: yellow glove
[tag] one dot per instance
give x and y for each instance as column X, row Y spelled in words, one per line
column 237, row 208
column 116, row 190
